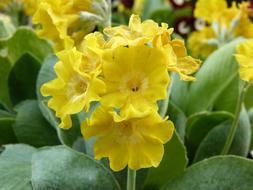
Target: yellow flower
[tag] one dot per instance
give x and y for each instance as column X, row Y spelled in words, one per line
column 225, row 25
column 133, row 141
column 151, row 34
column 244, row 57
column 211, row 10
column 66, row 22
column 199, row 43
column 30, row 6
column 74, row 88
column 185, row 65
column 137, row 33
column 138, row 6
column 134, row 76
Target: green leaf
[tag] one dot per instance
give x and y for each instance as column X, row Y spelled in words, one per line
column 216, row 80
column 4, row 113
column 215, row 140
column 161, row 15
column 24, row 40
column 72, row 137
column 46, row 74
column 5, row 67
column 15, row 167
column 31, row 127
column 216, row 86
column 173, row 163
column 179, row 119
column 150, row 6
column 217, row 173
column 22, row 79
column 68, row 169
column 248, row 98
column 179, row 14
column 199, row 125
column 7, row 134
column 179, row 92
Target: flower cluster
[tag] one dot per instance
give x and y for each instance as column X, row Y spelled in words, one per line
column 244, row 57
column 66, row 22
column 125, row 69
column 223, row 24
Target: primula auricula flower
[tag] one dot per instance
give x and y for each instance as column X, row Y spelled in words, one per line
column 66, row 22
column 134, row 76
column 244, row 57
column 130, row 140
column 223, row 25
column 135, row 33
column 151, row 34
column 30, row 6
column 74, row 88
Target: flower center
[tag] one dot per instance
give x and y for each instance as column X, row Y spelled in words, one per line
column 134, row 83
column 126, row 133
column 77, row 86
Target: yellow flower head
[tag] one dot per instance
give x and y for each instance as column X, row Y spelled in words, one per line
column 225, row 25
column 133, row 141
column 244, row 57
column 66, row 22
column 134, row 76
column 74, row 88
column 30, row 6
column 151, row 34
column 209, row 10
column 185, row 65
column 137, row 33
column 200, row 42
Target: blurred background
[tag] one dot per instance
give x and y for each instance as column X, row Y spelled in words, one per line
column 177, row 13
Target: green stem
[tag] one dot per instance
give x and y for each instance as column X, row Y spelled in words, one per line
column 131, row 178
column 235, row 123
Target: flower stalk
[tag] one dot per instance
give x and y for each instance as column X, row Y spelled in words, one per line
column 131, row 179
column 235, row 123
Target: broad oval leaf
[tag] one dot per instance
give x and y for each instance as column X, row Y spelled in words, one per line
column 198, row 126
column 179, row 119
column 15, row 167
column 7, row 134
column 248, row 98
column 25, row 40
column 22, row 79
column 31, row 127
column 216, row 86
column 217, row 173
column 63, row 168
column 46, row 74
column 216, row 81
column 5, row 68
column 215, row 140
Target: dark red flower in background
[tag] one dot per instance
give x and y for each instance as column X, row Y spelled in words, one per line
column 128, row 3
